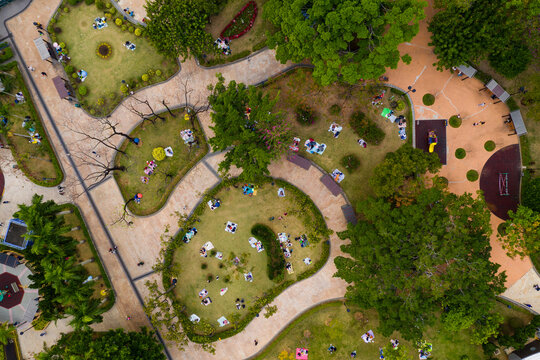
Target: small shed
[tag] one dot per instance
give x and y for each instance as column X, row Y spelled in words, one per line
column 45, row 50
column 519, row 125
column 497, row 90
column 469, row 71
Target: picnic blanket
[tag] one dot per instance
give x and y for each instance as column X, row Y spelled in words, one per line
column 283, row 237
column 203, row 293
column 281, row 192
column 169, row 151
column 294, row 146
column 248, row 277
column 223, row 321
column 187, row 136
column 301, row 354
column 219, row 255
column 314, row 147
column 231, row 227
column 338, row 176
column 256, row 244
column 368, row 337
column 335, row 129
column 223, row 291
column 208, row 246
column 194, row 318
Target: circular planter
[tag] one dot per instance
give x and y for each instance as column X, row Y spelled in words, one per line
column 455, row 122
column 472, row 175
column 460, row 153
column 428, row 99
column 489, row 145
column 104, row 50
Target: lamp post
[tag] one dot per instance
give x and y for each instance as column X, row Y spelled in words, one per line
column 410, row 89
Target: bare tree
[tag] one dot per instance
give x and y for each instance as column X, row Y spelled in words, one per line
column 194, row 106
column 104, row 135
column 144, row 115
column 100, row 168
column 124, row 216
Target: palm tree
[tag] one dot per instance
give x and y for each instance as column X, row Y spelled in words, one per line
column 85, row 314
column 75, row 296
column 6, row 332
column 59, row 274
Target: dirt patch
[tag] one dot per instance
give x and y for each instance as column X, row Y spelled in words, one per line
column 307, row 334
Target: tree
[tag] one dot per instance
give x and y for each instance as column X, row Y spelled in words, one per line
column 462, row 34
column 245, row 125
column 113, row 344
column 348, row 40
column 86, row 313
column 100, row 169
column 530, row 194
column 512, row 60
column 6, row 332
column 401, row 169
column 522, row 232
column 413, row 261
column 486, row 327
column 177, row 27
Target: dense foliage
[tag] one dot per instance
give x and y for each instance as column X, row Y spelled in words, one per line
column 276, row 261
column 113, row 344
column 414, row 261
column 522, row 232
column 56, row 272
column 366, row 128
column 348, row 40
column 244, row 119
column 530, row 194
column 506, row 31
column 177, row 27
column 401, row 170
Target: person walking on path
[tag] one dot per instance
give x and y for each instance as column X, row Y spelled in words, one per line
column 31, row 68
column 255, row 342
column 482, row 104
column 43, row 333
column 479, row 123
column 536, row 287
column 43, row 74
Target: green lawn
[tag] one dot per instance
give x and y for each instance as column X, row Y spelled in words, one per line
column 245, row 211
column 87, row 251
column 169, row 171
column 332, row 324
column 105, row 75
column 253, row 40
column 37, row 161
column 298, row 87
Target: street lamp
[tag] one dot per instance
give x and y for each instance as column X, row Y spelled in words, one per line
column 410, row 89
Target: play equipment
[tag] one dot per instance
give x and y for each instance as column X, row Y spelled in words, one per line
column 432, row 140
column 503, row 184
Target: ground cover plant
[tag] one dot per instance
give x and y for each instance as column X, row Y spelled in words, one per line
column 5, row 52
column 104, row 87
column 253, row 40
column 160, row 134
column 298, row 88
column 37, row 161
column 291, row 214
column 332, row 323
column 242, row 22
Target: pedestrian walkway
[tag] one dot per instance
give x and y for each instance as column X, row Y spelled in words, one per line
column 141, row 241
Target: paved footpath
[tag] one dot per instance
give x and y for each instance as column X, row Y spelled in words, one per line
column 142, row 241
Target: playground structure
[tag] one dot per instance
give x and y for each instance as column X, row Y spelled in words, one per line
column 432, row 140
column 503, row 184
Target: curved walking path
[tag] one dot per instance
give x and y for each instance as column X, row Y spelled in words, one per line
column 141, row 241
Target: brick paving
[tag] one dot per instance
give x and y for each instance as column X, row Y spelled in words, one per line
column 141, row 241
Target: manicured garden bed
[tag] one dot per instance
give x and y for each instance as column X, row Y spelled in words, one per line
column 169, row 171
column 242, row 22
column 250, row 41
column 37, row 161
column 103, row 55
column 337, row 103
column 239, row 258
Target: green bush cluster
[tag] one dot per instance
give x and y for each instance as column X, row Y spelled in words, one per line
column 428, row 99
column 512, row 60
column 472, row 175
column 460, row 153
column 276, row 262
column 83, row 90
column 350, row 162
column 455, row 121
column 6, row 53
column 489, row 145
column 334, row 109
column 305, row 115
column 366, row 128
column 521, row 335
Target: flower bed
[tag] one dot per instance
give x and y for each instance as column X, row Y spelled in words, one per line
column 242, row 22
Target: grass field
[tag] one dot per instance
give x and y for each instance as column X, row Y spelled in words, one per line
column 245, row 211
column 37, row 161
column 85, row 251
column 244, row 44
column 298, row 87
column 169, row 171
column 105, row 75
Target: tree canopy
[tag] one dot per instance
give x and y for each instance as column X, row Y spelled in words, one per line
column 462, row 34
column 56, row 272
column 244, row 123
column 401, row 169
column 414, row 261
column 177, row 27
column 113, row 344
column 350, row 39
column 522, row 232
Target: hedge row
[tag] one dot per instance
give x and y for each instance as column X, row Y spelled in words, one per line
column 276, row 262
column 318, row 230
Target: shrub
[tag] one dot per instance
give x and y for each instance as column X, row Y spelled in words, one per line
column 58, row 30
column 213, row 252
column 123, row 27
column 489, row 145
column 112, row 95
column 6, row 54
column 131, row 29
column 455, row 122
column 118, row 21
column 460, row 153
column 305, row 115
column 73, row 2
column 66, row 9
column 400, row 106
column 108, row 5
column 100, row 4
column 74, row 75
column 501, row 229
column 83, row 90
column 62, row 45
column 472, row 175
column 112, row 11
column 158, row 72
column 512, row 60
column 100, row 101
column 221, row 265
column 124, row 88
column 276, row 262
column 70, row 69
column 150, row 72
column 89, row 2
column 428, row 99
column 53, row 21
column 515, row 322
column 366, row 128
column 158, row 153
column 530, row 193
column 138, row 32
column 145, row 77
column 92, row 112
column 335, row 109
column 350, row 162
column 204, row 266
